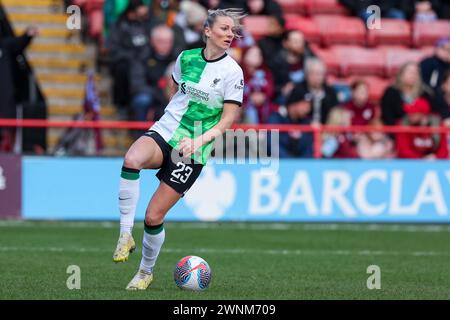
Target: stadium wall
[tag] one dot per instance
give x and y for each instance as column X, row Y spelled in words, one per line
column 289, row 190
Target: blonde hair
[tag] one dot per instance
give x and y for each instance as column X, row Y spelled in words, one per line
column 234, row 13
column 338, row 116
column 419, row 87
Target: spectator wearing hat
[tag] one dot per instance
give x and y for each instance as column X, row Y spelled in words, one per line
column 420, row 145
column 294, row 144
column 432, row 69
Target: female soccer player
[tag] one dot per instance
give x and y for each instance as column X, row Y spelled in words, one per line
column 210, row 90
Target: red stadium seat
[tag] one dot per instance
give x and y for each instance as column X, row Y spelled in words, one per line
column 329, row 58
column 341, row 30
column 393, row 31
column 326, row 7
column 427, row 33
column 96, row 24
column 396, row 57
column 377, row 86
column 258, row 26
column 293, row 6
column 428, row 51
column 359, row 61
column 306, row 25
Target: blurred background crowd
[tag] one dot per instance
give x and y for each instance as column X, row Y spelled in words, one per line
column 305, row 62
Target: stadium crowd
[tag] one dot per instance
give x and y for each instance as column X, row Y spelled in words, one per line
column 285, row 81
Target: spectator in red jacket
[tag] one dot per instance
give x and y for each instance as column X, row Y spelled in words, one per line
column 421, row 145
column 259, row 88
column 361, row 111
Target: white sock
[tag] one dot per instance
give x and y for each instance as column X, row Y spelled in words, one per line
column 128, row 198
column 151, row 245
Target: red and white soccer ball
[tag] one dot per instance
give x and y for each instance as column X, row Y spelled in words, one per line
column 192, row 273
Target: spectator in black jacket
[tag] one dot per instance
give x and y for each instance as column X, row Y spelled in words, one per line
column 287, row 63
column 323, row 96
column 407, row 89
column 293, row 144
column 433, row 68
column 146, row 73
column 444, row 9
column 443, row 98
column 127, row 41
column 10, row 47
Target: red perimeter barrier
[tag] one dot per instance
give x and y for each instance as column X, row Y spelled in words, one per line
column 316, row 130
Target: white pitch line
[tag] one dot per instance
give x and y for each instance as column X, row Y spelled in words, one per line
column 239, row 251
column 372, row 227
column 58, row 224
column 316, row 227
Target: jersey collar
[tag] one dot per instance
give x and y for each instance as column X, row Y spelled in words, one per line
column 214, row 60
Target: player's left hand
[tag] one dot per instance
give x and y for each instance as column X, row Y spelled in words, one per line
column 189, row 146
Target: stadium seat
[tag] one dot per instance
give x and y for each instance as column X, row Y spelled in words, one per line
column 306, row 25
column 94, row 5
column 377, row 86
column 427, row 51
column 293, row 6
column 341, row 30
column 258, row 26
column 328, row 57
column 393, row 31
column 326, row 7
column 93, row 9
column 96, row 24
column 396, row 57
column 427, row 33
column 359, row 61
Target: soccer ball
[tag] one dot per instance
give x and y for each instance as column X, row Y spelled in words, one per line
column 192, row 273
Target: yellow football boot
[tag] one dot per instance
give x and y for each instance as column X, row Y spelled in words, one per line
column 140, row 281
column 125, row 246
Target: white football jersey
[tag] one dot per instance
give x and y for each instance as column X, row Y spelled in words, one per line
column 203, row 87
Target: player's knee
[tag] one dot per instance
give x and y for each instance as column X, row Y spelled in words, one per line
column 132, row 161
column 154, row 218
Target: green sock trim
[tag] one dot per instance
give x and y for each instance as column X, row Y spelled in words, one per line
column 153, row 229
column 129, row 175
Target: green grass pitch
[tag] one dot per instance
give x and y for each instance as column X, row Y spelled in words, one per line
column 248, row 260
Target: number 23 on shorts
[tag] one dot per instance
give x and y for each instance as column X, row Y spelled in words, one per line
column 181, row 175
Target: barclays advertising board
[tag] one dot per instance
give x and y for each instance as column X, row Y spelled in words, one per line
column 295, row 190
